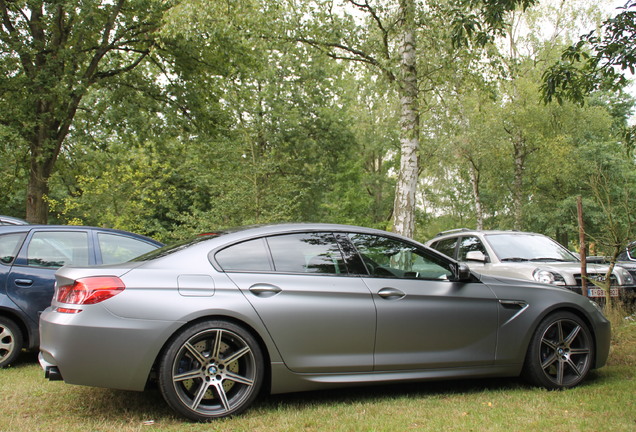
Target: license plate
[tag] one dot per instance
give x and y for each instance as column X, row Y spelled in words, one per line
column 598, row 292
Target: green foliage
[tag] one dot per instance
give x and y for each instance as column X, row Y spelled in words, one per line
column 596, row 61
column 247, row 112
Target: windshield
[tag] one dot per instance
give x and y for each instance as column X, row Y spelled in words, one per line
column 528, row 247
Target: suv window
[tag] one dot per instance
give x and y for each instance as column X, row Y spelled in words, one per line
column 386, row 257
column 469, row 244
column 116, row 248
column 251, row 255
column 307, row 253
column 9, row 246
column 58, row 248
column 446, row 246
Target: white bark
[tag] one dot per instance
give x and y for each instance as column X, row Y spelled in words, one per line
column 406, row 187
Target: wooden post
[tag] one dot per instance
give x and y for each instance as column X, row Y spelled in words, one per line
column 582, row 247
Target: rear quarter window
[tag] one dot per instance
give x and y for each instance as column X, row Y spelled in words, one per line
column 251, row 255
column 9, row 246
column 446, row 246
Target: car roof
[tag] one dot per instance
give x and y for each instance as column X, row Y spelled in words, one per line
column 10, row 220
column 244, row 233
column 463, row 231
column 4, row 229
column 280, row 228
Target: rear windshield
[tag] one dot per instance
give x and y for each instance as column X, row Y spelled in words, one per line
column 168, row 250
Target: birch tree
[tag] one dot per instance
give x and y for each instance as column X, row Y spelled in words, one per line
column 387, row 40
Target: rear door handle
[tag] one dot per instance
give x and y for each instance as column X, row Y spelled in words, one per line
column 24, row 282
column 391, row 294
column 265, row 290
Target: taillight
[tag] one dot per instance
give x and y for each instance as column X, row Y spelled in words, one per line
column 90, row 290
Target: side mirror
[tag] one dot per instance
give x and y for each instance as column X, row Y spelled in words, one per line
column 476, row 256
column 462, row 273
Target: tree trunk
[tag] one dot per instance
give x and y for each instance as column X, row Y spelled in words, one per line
column 46, row 142
column 37, row 210
column 474, row 181
column 517, row 192
column 406, row 187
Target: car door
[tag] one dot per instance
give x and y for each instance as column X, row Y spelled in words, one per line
column 321, row 318
column 32, row 276
column 424, row 319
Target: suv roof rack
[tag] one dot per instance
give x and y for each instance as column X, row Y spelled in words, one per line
column 452, row 231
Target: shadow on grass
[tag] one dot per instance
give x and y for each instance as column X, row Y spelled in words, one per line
column 25, row 359
column 129, row 406
column 110, row 405
column 387, row 392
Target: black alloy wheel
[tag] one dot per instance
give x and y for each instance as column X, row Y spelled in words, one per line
column 210, row 370
column 561, row 352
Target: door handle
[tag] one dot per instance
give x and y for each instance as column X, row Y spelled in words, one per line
column 24, row 282
column 265, row 290
column 391, row 294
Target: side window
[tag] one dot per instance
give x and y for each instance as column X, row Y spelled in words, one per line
column 386, row 257
column 251, row 255
column 9, row 246
column 57, row 248
column 446, row 246
column 632, row 252
column 116, row 248
column 470, row 244
column 307, row 253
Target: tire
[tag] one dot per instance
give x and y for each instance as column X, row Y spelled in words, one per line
column 210, row 370
column 561, row 352
column 11, row 341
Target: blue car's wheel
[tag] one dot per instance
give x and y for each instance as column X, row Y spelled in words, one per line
column 10, row 341
column 211, row 369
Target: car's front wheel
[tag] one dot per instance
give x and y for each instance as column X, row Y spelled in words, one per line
column 11, row 341
column 561, row 352
column 211, row 369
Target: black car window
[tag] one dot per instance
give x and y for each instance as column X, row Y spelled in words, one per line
column 386, row 257
column 9, row 246
column 446, row 246
column 307, row 253
column 58, row 248
column 469, row 244
column 251, row 255
column 117, row 248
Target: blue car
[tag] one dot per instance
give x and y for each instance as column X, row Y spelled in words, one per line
column 10, row 220
column 29, row 257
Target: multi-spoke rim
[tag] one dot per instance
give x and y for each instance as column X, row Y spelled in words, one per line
column 565, row 352
column 7, row 342
column 214, row 372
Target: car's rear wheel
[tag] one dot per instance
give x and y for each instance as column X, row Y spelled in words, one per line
column 211, row 369
column 561, row 352
column 11, row 341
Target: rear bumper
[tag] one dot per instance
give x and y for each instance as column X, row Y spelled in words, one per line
column 81, row 349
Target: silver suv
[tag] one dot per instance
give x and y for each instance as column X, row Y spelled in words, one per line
column 527, row 256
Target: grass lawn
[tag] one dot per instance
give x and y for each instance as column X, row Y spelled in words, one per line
column 606, row 402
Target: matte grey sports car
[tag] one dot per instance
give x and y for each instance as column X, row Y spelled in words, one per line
column 298, row 307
